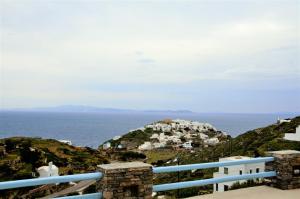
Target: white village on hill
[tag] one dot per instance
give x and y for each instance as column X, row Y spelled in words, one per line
column 177, row 133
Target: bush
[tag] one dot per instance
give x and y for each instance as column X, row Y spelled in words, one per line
column 129, row 155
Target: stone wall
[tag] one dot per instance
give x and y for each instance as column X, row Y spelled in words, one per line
column 287, row 167
column 131, row 180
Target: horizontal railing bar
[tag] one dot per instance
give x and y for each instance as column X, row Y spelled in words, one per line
column 196, row 183
column 49, row 180
column 210, row 165
column 86, row 196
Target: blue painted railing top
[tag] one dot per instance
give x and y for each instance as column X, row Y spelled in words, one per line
column 49, row 180
column 162, row 187
column 86, row 196
column 210, row 165
column 187, row 184
column 196, row 183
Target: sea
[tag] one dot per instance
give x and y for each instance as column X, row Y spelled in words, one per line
column 92, row 128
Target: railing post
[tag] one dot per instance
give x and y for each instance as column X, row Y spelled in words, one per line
column 132, row 180
column 287, row 167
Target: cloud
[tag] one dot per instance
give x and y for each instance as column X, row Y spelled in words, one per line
column 56, row 47
column 146, row 61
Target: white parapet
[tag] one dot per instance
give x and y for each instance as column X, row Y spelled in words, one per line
column 293, row 136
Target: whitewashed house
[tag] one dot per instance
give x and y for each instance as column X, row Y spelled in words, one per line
column 66, row 142
column 203, row 136
column 116, row 137
column 187, row 145
column 106, row 145
column 154, row 136
column 280, row 121
column 145, row 146
column 159, row 144
column 176, row 139
column 236, row 170
column 47, row 171
column 211, row 141
column 293, row 136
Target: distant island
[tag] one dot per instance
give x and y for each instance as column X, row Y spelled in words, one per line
column 82, row 108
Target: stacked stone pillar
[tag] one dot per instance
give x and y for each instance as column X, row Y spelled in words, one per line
column 287, row 167
column 132, row 180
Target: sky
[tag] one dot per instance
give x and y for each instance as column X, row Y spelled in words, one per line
column 206, row 56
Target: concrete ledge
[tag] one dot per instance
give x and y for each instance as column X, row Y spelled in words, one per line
column 264, row 192
column 126, row 165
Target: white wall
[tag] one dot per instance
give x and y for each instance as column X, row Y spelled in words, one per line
column 235, row 170
column 293, row 136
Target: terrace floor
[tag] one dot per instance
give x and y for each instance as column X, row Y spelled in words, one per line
column 263, row 192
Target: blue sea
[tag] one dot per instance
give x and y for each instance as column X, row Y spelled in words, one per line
column 92, row 129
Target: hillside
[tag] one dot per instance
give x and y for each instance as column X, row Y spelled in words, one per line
column 168, row 133
column 270, row 138
column 251, row 143
column 161, row 143
column 20, row 156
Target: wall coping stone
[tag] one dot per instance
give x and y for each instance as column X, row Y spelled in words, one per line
column 122, row 165
column 284, row 152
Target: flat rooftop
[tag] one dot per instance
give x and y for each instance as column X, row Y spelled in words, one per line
column 264, row 192
column 235, row 158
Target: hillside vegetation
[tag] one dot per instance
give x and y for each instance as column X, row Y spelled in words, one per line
column 21, row 156
column 264, row 139
column 252, row 143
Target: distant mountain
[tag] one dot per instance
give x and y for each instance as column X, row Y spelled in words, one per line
column 81, row 108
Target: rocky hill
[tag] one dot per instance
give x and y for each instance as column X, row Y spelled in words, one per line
column 168, row 134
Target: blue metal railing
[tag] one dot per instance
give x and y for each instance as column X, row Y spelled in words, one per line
column 157, row 170
column 54, row 180
column 187, row 184
column 87, row 196
column 49, row 180
column 210, row 165
column 196, row 183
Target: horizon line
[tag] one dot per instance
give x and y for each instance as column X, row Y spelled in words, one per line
column 52, row 109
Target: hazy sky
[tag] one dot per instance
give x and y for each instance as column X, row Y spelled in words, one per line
column 205, row 56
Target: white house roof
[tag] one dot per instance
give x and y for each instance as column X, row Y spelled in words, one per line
column 235, row 158
column 46, row 168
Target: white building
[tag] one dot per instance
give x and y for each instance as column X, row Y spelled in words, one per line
column 235, row 170
column 106, row 145
column 203, row 136
column 280, row 121
column 116, row 137
column 47, row 171
column 66, row 142
column 154, row 136
column 159, row 144
column 145, row 146
column 211, row 141
column 187, row 145
column 293, row 136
